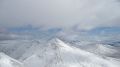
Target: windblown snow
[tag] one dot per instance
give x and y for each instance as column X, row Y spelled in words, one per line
column 57, row 53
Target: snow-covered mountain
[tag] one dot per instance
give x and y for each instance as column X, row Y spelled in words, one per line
column 15, row 48
column 99, row 48
column 57, row 53
column 6, row 61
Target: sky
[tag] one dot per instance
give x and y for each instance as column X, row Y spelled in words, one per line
column 84, row 14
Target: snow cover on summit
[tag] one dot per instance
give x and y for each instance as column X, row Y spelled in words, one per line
column 56, row 53
column 59, row 54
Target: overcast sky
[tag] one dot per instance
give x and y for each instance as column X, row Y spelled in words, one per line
column 86, row 14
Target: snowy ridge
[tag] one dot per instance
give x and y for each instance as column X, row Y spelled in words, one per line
column 6, row 61
column 96, row 48
column 59, row 54
column 105, row 49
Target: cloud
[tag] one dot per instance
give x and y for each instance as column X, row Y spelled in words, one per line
column 86, row 14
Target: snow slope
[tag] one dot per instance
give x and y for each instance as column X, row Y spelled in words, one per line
column 6, row 61
column 59, row 54
column 96, row 48
column 16, row 48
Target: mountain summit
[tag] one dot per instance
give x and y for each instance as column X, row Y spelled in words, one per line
column 60, row 54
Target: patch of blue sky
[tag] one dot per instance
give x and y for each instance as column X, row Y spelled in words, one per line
column 104, row 31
